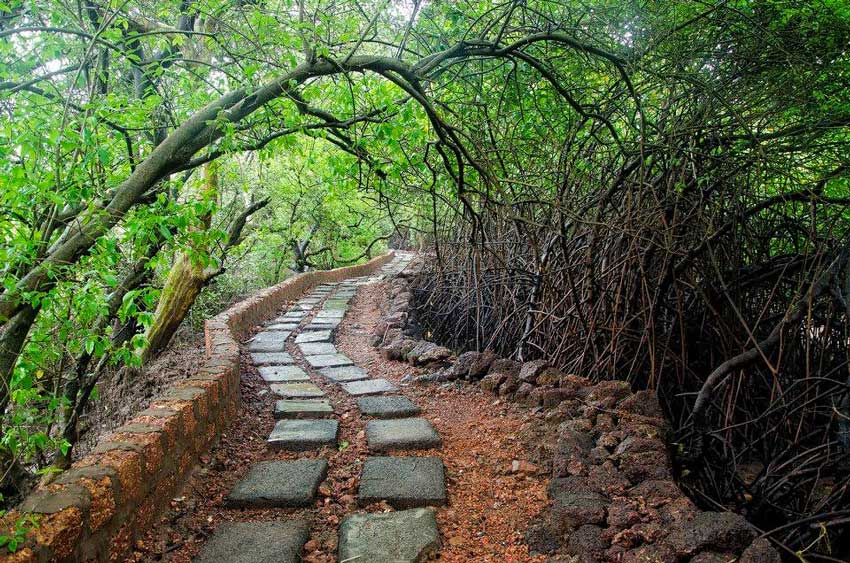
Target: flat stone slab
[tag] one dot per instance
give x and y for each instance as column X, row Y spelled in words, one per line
column 316, row 348
column 335, row 305
column 272, row 358
column 296, row 390
column 314, row 336
column 291, row 316
column 303, row 408
column 344, row 373
column 282, row 326
column 328, row 360
column 268, row 341
column 321, row 326
column 299, row 435
column 276, row 374
column 329, row 314
column 249, row 542
column 279, row 484
column 393, row 406
column 401, row 434
column 404, row 482
column 369, row 387
column 407, row 536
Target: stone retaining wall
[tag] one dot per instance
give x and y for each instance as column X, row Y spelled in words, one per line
column 96, row 509
column 612, row 496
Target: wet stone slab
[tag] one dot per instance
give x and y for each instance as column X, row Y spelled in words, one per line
column 344, row 373
column 272, row 358
column 300, row 435
column 314, row 336
column 392, row 406
column 329, row 314
column 268, row 341
column 296, row 390
column 328, row 360
column 403, row 482
column 279, row 484
column 406, row 536
column 277, row 374
column 316, row 348
column 369, row 387
column 401, row 434
column 335, row 305
column 249, row 542
column 302, row 408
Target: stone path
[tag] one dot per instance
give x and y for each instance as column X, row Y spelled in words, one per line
column 306, row 422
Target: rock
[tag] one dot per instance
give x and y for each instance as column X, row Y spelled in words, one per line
column 279, row 374
column 434, row 355
column 249, row 542
column 296, row 390
column 524, row 467
column 506, row 367
column 298, row 435
column 572, row 510
column 642, row 403
column 760, row 551
column 492, row 381
column 607, row 389
column 549, row 376
column 622, row 514
column 524, row 391
column 723, row 531
column 481, row 365
column 541, row 537
column 656, row 492
column 328, row 360
column 316, row 348
column 463, row 363
column 403, row 482
column 408, row 536
column 342, row 374
column 439, row 376
column 712, row 557
column 642, row 554
column 530, row 370
column 508, row 386
column 305, row 408
column 587, row 543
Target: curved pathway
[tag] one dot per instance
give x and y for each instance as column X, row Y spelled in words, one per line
column 296, row 356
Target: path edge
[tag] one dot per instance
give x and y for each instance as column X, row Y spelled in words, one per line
column 98, row 508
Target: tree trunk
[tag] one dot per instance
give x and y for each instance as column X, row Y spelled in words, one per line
column 12, row 341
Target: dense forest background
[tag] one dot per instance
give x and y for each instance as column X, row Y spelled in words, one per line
column 644, row 190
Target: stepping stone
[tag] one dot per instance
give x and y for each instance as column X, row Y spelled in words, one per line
column 279, row 484
column 369, row 387
column 407, row 536
column 401, row 434
column 328, row 360
column 268, row 341
column 344, row 373
column 272, row 358
column 404, row 482
column 299, row 435
column 323, row 324
column 316, row 348
column 394, row 406
column 314, row 336
column 329, row 314
column 282, row 326
column 248, row 542
column 276, row 374
column 291, row 316
column 296, row 390
column 305, row 408
column 335, row 305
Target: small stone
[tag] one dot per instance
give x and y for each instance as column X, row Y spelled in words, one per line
column 274, row 374
column 369, row 387
column 248, row 542
column 408, row 536
column 394, row 406
column 279, row 484
column 401, row 434
column 344, row 373
column 299, row 435
column 308, row 408
column 329, row 360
